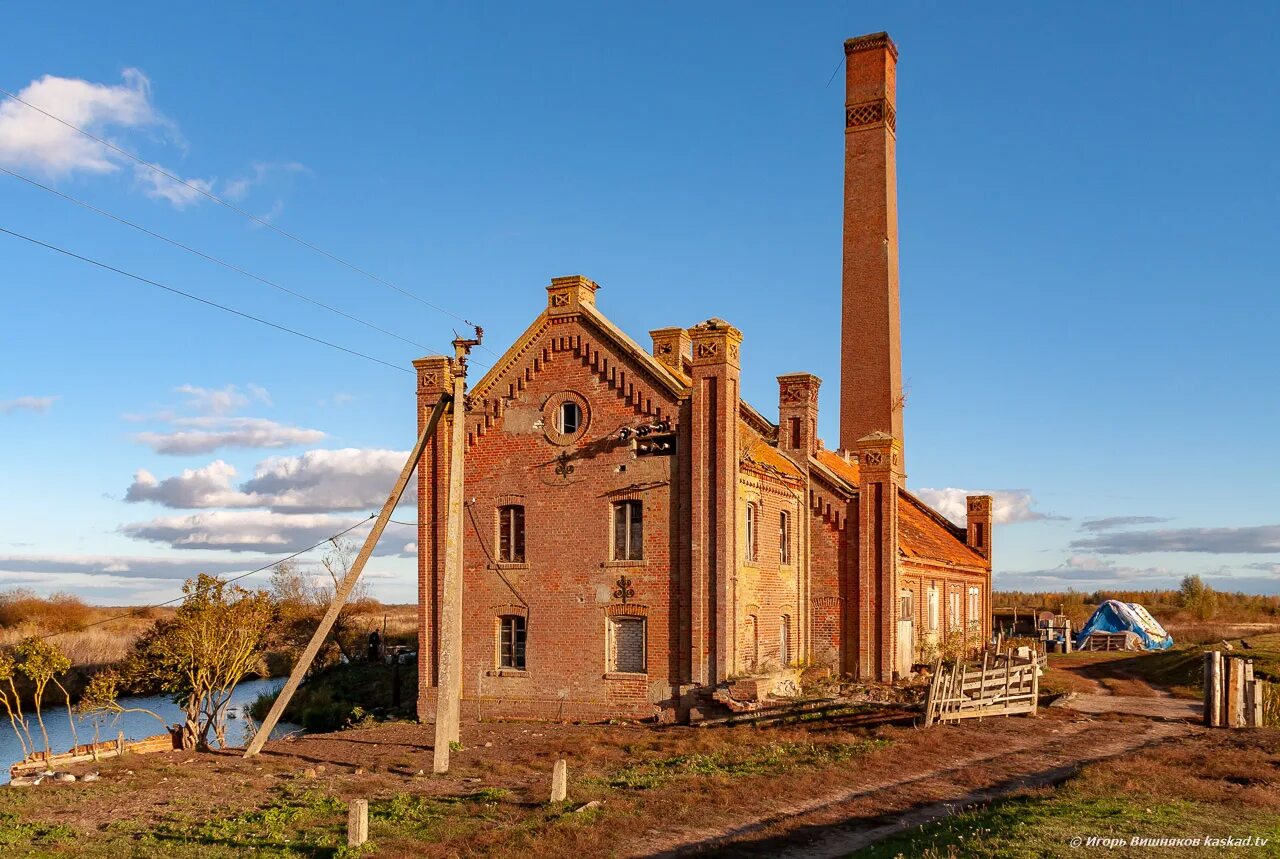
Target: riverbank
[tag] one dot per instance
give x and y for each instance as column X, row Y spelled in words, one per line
column 136, row 726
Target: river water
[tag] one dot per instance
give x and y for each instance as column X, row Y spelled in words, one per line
column 136, row 726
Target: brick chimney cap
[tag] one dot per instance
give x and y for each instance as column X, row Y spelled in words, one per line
column 573, row 280
column 870, row 42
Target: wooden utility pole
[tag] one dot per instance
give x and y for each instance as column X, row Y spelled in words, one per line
column 343, row 590
column 449, row 670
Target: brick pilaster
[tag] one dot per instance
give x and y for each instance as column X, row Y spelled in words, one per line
column 713, row 496
column 435, row 379
column 798, row 415
column 880, row 466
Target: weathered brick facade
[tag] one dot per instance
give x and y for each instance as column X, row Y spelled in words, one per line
column 643, row 571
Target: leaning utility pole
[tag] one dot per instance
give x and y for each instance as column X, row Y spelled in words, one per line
column 344, row 587
column 449, row 666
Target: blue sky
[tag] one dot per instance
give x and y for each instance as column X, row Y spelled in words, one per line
column 1088, row 221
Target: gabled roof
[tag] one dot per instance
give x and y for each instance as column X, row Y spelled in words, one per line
column 676, row 383
column 925, row 535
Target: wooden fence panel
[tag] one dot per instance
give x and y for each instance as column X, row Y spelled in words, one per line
column 961, row 691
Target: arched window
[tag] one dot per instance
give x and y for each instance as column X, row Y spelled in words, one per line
column 784, row 537
column 569, row 418
column 752, row 529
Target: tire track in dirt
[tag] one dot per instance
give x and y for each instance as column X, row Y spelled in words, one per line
column 840, row 822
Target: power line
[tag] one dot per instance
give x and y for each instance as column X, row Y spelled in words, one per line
column 212, row 259
column 176, row 291
column 260, row 221
column 136, row 611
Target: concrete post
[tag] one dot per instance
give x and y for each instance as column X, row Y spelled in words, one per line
column 449, row 691
column 560, row 781
column 357, row 822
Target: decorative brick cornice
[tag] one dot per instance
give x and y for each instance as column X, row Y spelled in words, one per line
column 871, row 42
column 715, row 342
column 566, row 294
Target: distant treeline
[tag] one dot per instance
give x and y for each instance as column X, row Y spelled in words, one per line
column 1193, row 600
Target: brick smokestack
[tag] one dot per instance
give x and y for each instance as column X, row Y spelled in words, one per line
column 870, row 337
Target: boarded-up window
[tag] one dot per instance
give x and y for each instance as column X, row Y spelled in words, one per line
column 626, row 644
column 752, row 635
column 784, row 640
column 628, row 531
column 953, row 610
column 511, row 533
column 933, row 609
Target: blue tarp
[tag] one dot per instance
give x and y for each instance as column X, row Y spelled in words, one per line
column 1116, row 616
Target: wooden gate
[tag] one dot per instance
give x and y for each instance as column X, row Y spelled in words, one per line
column 1001, row 688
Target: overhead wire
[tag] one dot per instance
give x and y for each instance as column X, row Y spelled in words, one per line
column 206, row 301
column 234, row 208
column 209, row 257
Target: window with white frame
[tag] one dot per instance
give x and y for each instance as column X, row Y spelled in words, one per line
column 753, row 516
column 975, row 608
column 569, row 417
column 628, row 531
column 784, row 537
column 627, row 645
column 784, row 640
column 933, row 609
column 953, row 610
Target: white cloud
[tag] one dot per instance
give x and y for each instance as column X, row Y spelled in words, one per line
column 220, row 401
column 318, row 481
column 180, row 194
column 321, row 480
column 207, row 434
column 39, row 405
column 1010, row 505
column 1254, row 539
column 122, row 566
column 238, row 189
column 193, row 488
column 35, row 141
column 1088, row 572
column 238, row 530
column 29, row 139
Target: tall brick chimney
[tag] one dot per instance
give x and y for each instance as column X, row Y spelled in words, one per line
column 870, row 338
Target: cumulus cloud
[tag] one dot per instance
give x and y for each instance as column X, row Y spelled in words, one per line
column 321, row 480
column 237, row 530
column 318, row 481
column 193, row 488
column 209, row 433
column 1009, row 505
column 1258, row 539
column 40, row 405
column 1119, row 522
column 33, row 140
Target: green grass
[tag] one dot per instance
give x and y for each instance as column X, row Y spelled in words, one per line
column 1035, row 827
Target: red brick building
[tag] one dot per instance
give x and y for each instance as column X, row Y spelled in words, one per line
column 635, row 533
